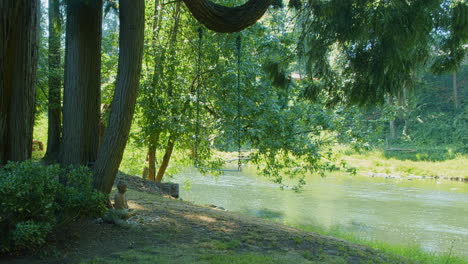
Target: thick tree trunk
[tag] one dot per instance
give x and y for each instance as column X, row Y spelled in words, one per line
column 166, row 158
column 81, row 106
column 8, row 14
column 130, row 58
column 227, row 19
column 55, row 109
column 19, row 24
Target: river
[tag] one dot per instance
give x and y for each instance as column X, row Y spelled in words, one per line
column 429, row 213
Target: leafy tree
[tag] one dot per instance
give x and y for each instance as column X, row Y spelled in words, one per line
column 115, row 138
column 363, row 50
column 357, row 50
column 164, row 97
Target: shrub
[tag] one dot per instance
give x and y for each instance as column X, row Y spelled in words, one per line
column 34, row 201
column 30, row 234
column 78, row 198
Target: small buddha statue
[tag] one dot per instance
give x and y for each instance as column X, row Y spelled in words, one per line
column 120, row 202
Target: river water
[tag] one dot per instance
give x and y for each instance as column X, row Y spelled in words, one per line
column 429, row 213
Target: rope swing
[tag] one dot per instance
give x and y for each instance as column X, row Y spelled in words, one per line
column 197, row 98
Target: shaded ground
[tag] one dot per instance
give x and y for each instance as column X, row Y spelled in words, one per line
column 167, row 230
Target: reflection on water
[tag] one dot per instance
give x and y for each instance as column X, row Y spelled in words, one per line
column 423, row 212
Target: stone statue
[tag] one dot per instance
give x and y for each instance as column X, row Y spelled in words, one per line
column 120, row 202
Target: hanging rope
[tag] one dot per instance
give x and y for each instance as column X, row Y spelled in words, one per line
column 239, row 48
column 197, row 95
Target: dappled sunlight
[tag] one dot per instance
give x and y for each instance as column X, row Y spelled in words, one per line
column 137, row 206
column 202, row 218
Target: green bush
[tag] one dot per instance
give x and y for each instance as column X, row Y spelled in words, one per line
column 35, row 198
column 30, row 234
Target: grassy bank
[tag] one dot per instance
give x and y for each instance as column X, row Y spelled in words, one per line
column 405, row 162
column 410, row 252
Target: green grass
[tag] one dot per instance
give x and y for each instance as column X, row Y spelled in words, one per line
column 377, row 161
column 226, row 245
column 40, row 133
column 193, row 255
column 411, row 252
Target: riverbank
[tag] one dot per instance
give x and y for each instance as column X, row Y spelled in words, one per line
column 167, row 230
column 406, row 163
column 421, row 214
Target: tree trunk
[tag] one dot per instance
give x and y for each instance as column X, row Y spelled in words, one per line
column 19, row 25
column 227, row 19
column 392, row 129
column 152, row 156
column 55, row 109
column 81, row 106
column 8, row 13
column 151, row 162
column 166, row 158
column 456, row 100
column 392, row 122
column 404, row 113
column 132, row 23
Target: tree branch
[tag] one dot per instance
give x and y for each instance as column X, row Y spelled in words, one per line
column 227, row 19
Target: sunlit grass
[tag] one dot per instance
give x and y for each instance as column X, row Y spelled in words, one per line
column 376, row 161
column 411, row 252
column 40, row 133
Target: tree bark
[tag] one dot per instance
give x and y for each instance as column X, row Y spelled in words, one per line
column 8, row 13
column 456, row 100
column 54, row 108
column 81, row 106
column 227, row 19
column 19, row 24
column 151, row 162
column 152, row 156
column 130, row 58
column 166, row 158
column 392, row 122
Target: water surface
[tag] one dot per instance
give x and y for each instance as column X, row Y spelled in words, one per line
column 429, row 213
